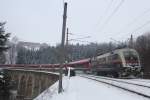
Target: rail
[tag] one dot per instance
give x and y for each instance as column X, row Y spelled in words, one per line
column 121, row 85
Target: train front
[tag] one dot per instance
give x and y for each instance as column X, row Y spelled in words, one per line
column 131, row 63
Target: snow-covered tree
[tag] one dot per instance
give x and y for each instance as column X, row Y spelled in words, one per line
column 3, row 40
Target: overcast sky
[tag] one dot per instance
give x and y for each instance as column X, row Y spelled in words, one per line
column 41, row 20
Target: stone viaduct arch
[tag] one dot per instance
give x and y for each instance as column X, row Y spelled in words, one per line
column 31, row 83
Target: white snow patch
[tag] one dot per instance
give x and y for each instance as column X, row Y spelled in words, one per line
column 78, row 88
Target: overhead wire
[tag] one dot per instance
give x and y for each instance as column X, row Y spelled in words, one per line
column 79, row 35
column 129, row 24
column 105, row 12
column 111, row 15
column 82, row 37
column 148, row 22
column 79, row 40
column 135, row 20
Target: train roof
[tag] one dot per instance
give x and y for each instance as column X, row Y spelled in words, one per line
column 115, row 52
column 83, row 61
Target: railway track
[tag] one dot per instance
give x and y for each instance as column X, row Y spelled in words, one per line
column 138, row 89
column 133, row 82
column 142, row 80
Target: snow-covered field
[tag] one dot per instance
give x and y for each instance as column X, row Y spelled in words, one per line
column 78, row 88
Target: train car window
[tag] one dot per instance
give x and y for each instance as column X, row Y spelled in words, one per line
column 115, row 57
column 102, row 60
column 109, row 58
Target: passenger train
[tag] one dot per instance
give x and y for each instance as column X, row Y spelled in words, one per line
column 118, row 63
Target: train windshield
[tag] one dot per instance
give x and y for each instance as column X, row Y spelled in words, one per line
column 131, row 56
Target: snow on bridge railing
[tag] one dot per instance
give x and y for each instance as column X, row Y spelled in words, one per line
column 77, row 65
column 30, row 65
column 70, row 64
column 36, row 71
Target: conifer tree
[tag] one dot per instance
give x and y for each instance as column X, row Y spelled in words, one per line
column 3, row 40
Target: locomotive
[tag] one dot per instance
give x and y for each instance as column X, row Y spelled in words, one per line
column 118, row 63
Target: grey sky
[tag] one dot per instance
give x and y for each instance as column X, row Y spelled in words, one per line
column 41, row 20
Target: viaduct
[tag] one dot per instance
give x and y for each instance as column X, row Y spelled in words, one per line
column 30, row 83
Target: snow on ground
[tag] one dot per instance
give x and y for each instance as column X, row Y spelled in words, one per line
column 78, row 88
column 136, row 88
column 137, row 81
column 145, row 82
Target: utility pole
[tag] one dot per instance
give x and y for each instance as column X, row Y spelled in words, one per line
column 131, row 41
column 62, row 48
column 67, row 40
column 67, row 45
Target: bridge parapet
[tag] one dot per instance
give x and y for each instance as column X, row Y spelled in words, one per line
column 30, row 83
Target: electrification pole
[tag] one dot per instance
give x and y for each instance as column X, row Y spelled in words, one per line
column 67, row 47
column 62, row 48
column 67, row 40
column 131, row 41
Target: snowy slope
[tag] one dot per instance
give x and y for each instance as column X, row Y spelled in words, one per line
column 78, row 88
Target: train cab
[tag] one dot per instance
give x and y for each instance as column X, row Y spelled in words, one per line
column 131, row 58
column 130, row 61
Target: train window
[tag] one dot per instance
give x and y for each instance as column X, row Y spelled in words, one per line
column 102, row 60
column 115, row 57
column 130, row 55
column 109, row 58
